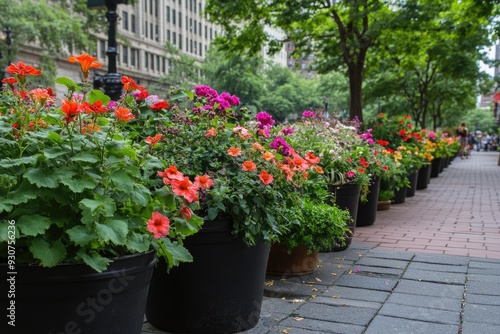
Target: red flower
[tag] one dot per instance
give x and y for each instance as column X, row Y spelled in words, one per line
column 22, row 70
column 96, row 108
column 249, row 166
column 311, row 158
column 160, row 105
column 186, row 212
column 71, row 109
column 203, row 181
column 124, row 114
column 363, row 162
column 265, row 177
column 129, row 84
column 153, row 140
column 186, row 189
column 158, row 225
column 171, row 173
column 402, row 132
column 86, row 63
column 382, row 142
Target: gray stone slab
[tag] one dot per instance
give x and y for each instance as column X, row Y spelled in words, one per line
column 430, row 289
column 484, row 271
column 321, row 326
column 362, row 246
column 434, row 276
column 342, row 314
column 440, row 303
column 483, row 278
column 366, row 270
column 356, row 294
column 346, row 302
column 389, row 325
column 482, row 299
column 487, row 314
column 395, row 255
column 475, row 328
column 280, row 305
column 485, row 265
column 483, row 288
column 295, row 288
column 374, row 283
column 441, row 259
column 291, row 330
column 420, row 313
column 438, row 267
column 350, row 254
column 378, row 262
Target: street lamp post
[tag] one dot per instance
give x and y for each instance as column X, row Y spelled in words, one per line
column 112, row 80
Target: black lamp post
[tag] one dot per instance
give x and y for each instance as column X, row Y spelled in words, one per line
column 112, row 80
column 7, row 35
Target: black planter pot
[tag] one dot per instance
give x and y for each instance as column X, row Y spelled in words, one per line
column 441, row 165
column 346, row 198
column 367, row 211
column 73, row 298
column 423, row 177
column 399, row 196
column 436, row 167
column 219, row 292
column 410, row 191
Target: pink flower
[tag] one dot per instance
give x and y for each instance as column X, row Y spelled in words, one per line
column 264, row 119
column 159, row 225
column 308, row 114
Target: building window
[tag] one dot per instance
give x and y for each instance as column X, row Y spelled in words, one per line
column 206, row 32
column 157, row 35
column 194, row 6
column 146, row 6
column 170, row 65
column 199, row 28
column 156, row 8
column 102, row 49
column 125, row 54
column 173, row 16
column 132, row 23
column 187, row 28
column 153, row 62
column 132, row 56
column 195, row 49
column 125, row 20
column 146, row 60
column 158, row 63
column 151, row 7
column 191, row 48
column 191, row 5
column 200, row 50
column 190, row 25
column 167, row 13
column 180, row 20
column 168, row 35
column 199, row 8
column 174, row 38
column 163, row 64
column 211, row 34
column 146, row 28
column 180, row 41
column 151, row 31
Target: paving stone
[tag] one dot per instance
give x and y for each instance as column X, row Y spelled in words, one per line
column 395, row 255
column 432, row 276
column 343, row 314
column 356, row 294
column 389, row 325
column 374, row 283
column 482, row 299
column 469, row 327
column 378, row 262
column 485, row 265
column 280, row 305
column 483, row 271
column 438, row 267
column 430, row 289
column 377, row 270
column 321, row 326
column 362, row 246
column 291, row 289
column 488, row 314
column 430, row 302
column 483, row 278
column 346, row 302
column 420, row 313
column 440, row 259
column 291, row 330
column 483, row 288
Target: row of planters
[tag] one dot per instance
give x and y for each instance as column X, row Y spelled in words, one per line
column 172, row 207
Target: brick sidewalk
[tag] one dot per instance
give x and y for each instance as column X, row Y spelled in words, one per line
column 458, row 213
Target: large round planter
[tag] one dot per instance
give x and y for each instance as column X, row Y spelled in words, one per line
column 435, row 167
column 367, row 211
column 399, row 196
column 219, row 292
column 410, row 191
column 424, row 174
column 296, row 263
column 73, row 298
column 347, row 198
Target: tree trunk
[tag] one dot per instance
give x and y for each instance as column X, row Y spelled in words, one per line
column 355, row 85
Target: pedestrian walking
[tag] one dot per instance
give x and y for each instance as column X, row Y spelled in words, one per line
column 462, row 132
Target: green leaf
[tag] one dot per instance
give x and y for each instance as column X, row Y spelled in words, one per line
column 4, row 230
column 33, row 225
column 94, row 260
column 41, row 178
column 54, row 152
column 49, row 255
column 212, row 213
column 78, row 185
column 177, row 253
column 81, row 235
column 114, row 230
column 85, row 157
column 139, row 243
column 97, row 95
column 55, row 137
column 70, row 84
column 7, row 163
column 140, row 196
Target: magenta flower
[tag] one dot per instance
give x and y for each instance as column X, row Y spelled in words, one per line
column 287, row 131
column 350, row 174
column 308, row 114
column 280, row 145
column 264, row 119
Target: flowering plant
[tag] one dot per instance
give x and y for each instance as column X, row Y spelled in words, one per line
column 243, row 172
column 74, row 187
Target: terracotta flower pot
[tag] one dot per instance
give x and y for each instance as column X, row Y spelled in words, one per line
column 383, row 205
column 298, row 262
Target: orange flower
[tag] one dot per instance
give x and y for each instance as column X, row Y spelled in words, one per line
column 40, row 95
column 171, row 173
column 86, row 63
column 319, row 170
column 158, row 225
column 124, row 114
column 265, row 177
column 186, row 189
column 249, row 166
column 153, row 140
column 129, row 84
column 268, row 156
column 89, row 128
column 257, row 146
column 203, row 181
column 22, row 70
column 211, row 132
column 71, row 109
column 96, row 108
column 311, row 158
column 234, row 151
